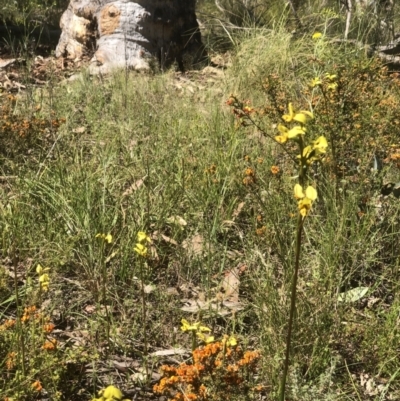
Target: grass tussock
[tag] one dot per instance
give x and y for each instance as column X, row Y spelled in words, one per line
column 211, row 193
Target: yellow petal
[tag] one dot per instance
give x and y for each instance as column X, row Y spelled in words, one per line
column 311, row 193
column 320, row 144
column 317, row 35
column 205, row 338
column 108, row 238
column 289, row 117
column 231, row 342
column 140, row 249
column 295, row 132
column 298, row 191
column 282, row 129
column 203, row 328
column 44, row 278
column 112, row 393
column 302, row 117
column 307, row 113
column 331, row 77
column 315, row 82
column 306, row 151
column 304, row 206
column 39, row 269
column 186, row 326
column 142, row 236
column 281, row 138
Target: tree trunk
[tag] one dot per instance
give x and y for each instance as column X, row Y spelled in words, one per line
column 129, row 34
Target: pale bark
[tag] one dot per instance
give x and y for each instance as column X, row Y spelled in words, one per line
column 129, row 34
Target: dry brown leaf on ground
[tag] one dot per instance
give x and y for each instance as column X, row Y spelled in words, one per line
column 79, row 130
column 229, row 287
column 194, row 305
column 135, row 186
column 238, row 209
column 171, row 351
column 178, row 220
column 194, row 245
column 148, row 289
column 156, row 235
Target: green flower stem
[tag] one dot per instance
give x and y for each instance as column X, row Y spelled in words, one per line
column 20, row 329
column 300, row 223
column 144, row 317
column 104, row 290
column 194, row 340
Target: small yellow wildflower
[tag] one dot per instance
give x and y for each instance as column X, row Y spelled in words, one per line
column 40, row 269
column 106, row 237
column 315, row 82
column 186, row 326
column 317, row 35
column 300, row 117
column 140, row 249
column 332, row 86
column 305, row 198
column 330, row 77
column 143, row 237
column 205, row 338
column 320, row 144
column 229, row 341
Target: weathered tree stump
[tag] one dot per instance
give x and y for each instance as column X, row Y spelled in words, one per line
column 128, row 34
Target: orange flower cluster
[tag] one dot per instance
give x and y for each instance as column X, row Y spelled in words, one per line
column 50, row 345
column 28, row 313
column 11, row 360
column 37, row 386
column 21, row 130
column 8, row 324
column 250, row 176
column 217, row 371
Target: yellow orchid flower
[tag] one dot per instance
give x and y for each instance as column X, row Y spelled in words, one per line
column 302, row 117
column 316, row 35
column 205, row 338
column 307, row 151
column 331, row 77
column 320, row 144
column 295, row 132
column 305, row 198
column 332, row 86
column 111, row 393
column 44, row 282
column 186, row 326
column 289, row 117
column 229, row 341
column 304, row 206
column 315, row 82
column 41, row 270
column 143, row 237
column 298, row 191
column 106, row 237
column 284, row 134
column 140, row 249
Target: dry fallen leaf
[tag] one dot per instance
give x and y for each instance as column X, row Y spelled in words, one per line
column 177, row 220
column 229, row 288
column 238, row 209
column 135, row 186
column 194, row 245
column 169, row 352
column 148, row 289
column 79, row 130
